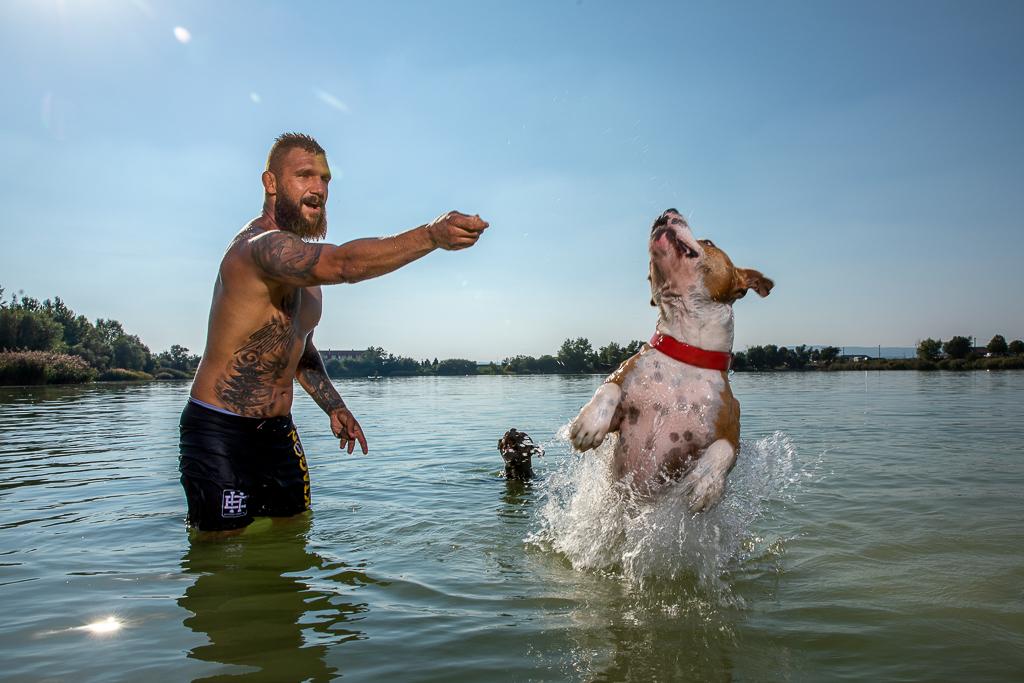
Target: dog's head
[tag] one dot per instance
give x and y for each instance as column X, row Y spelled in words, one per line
column 517, row 450
column 682, row 266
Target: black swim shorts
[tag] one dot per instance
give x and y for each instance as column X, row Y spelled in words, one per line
column 234, row 468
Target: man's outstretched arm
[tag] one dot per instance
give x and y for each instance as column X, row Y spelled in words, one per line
column 284, row 257
column 312, row 376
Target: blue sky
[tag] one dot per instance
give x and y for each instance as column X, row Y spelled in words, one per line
column 867, row 156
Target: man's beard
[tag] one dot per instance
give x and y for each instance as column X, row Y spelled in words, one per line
column 288, row 216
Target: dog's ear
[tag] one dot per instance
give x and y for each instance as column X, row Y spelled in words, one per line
column 753, row 279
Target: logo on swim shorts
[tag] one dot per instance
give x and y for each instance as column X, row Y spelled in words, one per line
column 232, row 504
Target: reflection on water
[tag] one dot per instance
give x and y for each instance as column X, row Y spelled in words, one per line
column 255, row 602
column 682, row 637
column 518, row 499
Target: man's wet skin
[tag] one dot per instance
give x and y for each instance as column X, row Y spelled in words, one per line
column 267, row 299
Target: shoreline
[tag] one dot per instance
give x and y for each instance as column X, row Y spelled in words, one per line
column 876, row 365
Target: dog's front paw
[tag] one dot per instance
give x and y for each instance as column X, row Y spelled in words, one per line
column 594, row 420
column 705, row 484
column 704, row 489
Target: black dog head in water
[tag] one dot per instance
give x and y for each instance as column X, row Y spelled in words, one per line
column 517, row 450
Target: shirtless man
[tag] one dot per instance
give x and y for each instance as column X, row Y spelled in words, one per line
column 240, row 453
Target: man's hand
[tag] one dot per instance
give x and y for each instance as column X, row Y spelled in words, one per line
column 456, row 230
column 347, row 429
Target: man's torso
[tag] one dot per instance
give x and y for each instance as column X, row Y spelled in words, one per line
column 257, row 333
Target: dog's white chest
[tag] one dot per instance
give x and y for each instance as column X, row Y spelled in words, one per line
column 669, row 411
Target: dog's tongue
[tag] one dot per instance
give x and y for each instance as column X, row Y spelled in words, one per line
column 689, row 241
column 680, row 239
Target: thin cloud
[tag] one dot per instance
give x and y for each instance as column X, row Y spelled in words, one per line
column 145, row 8
column 331, row 101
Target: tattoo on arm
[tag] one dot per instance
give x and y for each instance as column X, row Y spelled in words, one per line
column 285, row 257
column 313, row 377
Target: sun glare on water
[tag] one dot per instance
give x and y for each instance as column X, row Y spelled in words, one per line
column 104, row 626
column 100, row 627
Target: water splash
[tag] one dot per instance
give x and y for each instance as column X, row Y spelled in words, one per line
column 599, row 524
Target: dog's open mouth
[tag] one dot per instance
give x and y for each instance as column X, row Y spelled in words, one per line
column 683, row 250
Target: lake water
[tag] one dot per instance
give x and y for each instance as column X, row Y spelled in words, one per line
column 873, row 530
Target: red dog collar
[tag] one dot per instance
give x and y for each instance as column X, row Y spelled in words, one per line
column 691, row 355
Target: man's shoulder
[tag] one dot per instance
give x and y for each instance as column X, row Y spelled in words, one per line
column 238, row 255
column 248, row 234
column 259, row 242
column 253, row 248
column 254, row 237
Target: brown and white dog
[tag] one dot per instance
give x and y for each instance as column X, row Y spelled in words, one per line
column 671, row 402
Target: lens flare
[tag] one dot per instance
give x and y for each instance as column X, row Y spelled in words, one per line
column 182, row 34
column 331, row 101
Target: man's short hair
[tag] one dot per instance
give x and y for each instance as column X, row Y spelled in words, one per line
column 287, row 141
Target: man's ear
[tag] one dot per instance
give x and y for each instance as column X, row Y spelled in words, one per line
column 269, row 183
column 753, row 279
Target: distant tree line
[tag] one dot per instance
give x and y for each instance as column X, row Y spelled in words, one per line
column 574, row 356
column 45, row 341
column 772, row 357
column 959, row 353
column 376, row 362
column 959, row 347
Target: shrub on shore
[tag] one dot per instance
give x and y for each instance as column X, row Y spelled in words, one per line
column 123, row 375
column 955, row 364
column 171, row 373
column 1004, row 363
column 43, row 367
column 880, row 364
column 27, row 324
